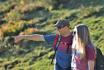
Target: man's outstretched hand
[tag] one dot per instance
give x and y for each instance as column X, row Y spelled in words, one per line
column 17, row 39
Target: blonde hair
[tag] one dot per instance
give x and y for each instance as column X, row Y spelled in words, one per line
column 82, row 40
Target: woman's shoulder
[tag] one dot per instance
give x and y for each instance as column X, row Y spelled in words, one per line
column 90, row 46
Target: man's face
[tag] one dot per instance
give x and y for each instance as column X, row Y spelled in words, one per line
column 62, row 30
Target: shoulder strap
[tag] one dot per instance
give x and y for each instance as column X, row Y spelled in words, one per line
column 58, row 41
column 56, row 46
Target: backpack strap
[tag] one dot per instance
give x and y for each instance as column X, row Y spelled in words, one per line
column 57, row 42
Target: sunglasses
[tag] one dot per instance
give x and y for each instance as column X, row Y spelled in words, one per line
column 74, row 32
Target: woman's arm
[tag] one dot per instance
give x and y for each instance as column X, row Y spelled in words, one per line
column 91, row 57
column 34, row 37
column 91, row 64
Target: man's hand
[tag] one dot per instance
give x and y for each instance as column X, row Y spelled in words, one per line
column 17, row 39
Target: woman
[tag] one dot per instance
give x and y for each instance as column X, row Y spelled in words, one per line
column 83, row 51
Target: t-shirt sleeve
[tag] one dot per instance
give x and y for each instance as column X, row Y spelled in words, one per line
column 91, row 55
column 49, row 38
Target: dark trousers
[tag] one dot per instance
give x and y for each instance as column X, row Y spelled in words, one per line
column 57, row 67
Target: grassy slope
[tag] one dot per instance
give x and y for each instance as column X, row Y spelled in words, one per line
column 43, row 14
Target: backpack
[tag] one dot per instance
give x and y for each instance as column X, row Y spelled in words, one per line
column 99, row 63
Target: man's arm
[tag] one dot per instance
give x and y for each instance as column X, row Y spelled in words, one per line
column 34, row 37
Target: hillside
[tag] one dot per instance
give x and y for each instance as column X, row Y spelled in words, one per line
column 19, row 17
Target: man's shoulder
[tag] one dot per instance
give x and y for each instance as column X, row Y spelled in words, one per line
column 49, row 37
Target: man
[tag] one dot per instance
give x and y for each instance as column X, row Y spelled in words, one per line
column 63, row 52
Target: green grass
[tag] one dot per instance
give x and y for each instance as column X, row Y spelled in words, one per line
column 44, row 14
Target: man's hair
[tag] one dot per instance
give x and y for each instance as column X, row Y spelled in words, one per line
column 61, row 23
